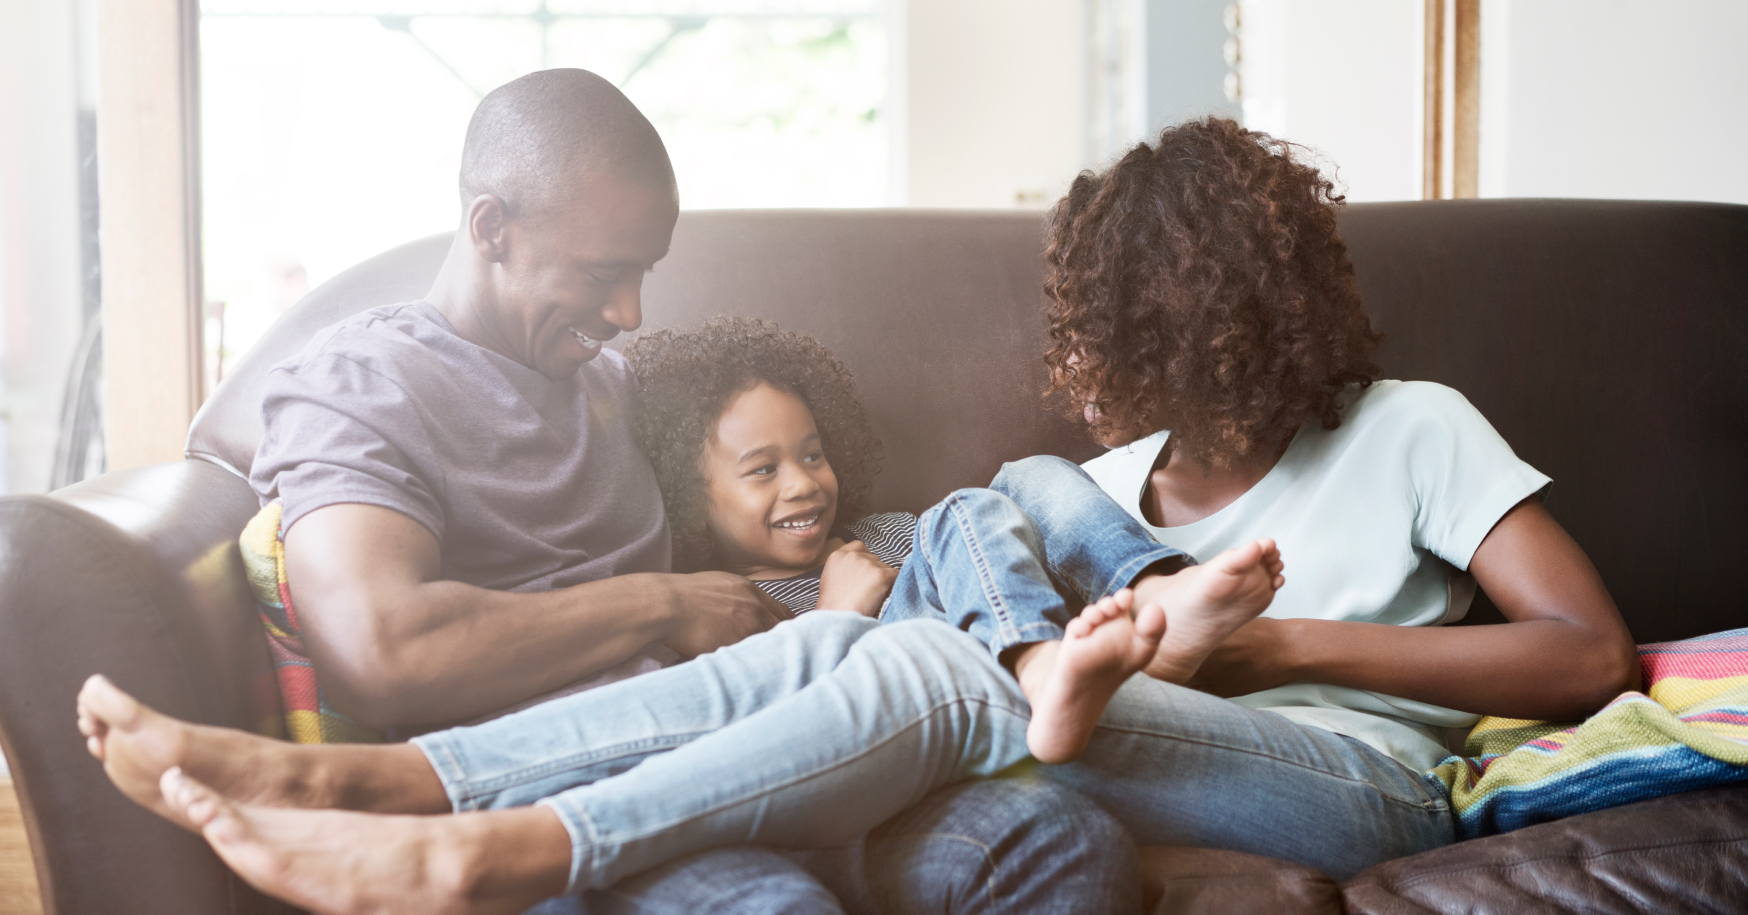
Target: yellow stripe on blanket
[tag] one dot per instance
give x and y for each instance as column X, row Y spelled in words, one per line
column 1683, row 692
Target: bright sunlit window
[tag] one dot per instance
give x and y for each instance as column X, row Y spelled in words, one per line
column 332, row 131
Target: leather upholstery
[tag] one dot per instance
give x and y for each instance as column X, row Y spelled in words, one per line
column 1198, row 881
column 135, row 575
column 1604, row 339
column 1687, row 853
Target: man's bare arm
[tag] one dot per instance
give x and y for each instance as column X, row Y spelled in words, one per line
column 399, row 646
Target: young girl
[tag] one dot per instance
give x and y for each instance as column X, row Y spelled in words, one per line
column 765, row 456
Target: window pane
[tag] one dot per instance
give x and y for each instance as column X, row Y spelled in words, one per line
column 332, row 130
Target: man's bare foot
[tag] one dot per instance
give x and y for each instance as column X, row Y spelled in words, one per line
column 1205, row 603
column 342, row 863
column 1070, row 682
column 137, row 744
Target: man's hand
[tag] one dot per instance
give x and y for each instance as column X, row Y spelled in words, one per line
column 400, row 646
column 855, row 579
column 714, row 609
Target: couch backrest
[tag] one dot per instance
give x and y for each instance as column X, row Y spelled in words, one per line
column 1605, row 340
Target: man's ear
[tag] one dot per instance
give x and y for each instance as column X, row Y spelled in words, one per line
column 488, row 226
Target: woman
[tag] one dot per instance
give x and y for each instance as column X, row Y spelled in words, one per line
column 1198, row 286
column 1201, row 286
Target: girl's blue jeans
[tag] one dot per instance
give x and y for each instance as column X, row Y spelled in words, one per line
column 813, row 733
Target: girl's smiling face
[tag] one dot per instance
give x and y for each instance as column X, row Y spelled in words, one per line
column 771, row 495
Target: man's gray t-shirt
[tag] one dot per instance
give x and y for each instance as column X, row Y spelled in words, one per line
column 528, row 484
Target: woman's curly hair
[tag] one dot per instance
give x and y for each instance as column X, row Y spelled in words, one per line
column 1200, row 285
column 686, row 380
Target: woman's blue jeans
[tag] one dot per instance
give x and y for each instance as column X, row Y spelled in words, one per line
column 811, row 734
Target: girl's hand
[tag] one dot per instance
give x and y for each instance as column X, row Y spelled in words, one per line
column 855, row 579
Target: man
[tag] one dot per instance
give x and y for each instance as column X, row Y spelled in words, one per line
column 469, row 526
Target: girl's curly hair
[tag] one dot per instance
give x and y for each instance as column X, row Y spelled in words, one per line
column 686, row 380
column 1200, row 285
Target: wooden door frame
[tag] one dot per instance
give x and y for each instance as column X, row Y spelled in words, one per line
column 148, row 155
column 1465, row 82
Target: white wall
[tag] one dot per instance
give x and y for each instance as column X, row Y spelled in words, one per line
column 994, row 101
column 1642, row 99
column 39, row 231
column 1343, row 77
column 1579, row 98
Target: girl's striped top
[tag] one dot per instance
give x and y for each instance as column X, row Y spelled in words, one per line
column 888, row 536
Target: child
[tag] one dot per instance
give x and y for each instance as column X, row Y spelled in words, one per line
column 761, row 446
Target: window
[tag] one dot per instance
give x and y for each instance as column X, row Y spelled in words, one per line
column 332, row 131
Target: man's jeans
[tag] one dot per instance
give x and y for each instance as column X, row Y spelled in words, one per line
column 812, row 733
column 1005, row 845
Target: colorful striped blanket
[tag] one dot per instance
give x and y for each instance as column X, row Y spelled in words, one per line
column 1688, row 730
column 308, row 716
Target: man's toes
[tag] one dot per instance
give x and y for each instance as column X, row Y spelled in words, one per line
column 196, row 803
column 94, row 746
column 1077, row 628
column 106, row 702
column 92, row 726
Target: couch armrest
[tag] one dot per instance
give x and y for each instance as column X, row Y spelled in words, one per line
column 133, row 574
column 1683, row 853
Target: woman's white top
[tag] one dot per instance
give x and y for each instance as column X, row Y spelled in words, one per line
column 1376, row 520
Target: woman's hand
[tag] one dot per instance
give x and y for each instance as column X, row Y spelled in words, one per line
column 1563, row 654
column 1252, row 659
column 855, row 579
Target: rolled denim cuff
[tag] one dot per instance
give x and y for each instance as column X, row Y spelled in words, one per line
column 1040, row 631
column 1126, row 574
column 449, row 769
column 576, row 824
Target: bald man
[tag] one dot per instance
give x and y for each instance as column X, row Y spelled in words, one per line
column 468, row 522
column 469, row 526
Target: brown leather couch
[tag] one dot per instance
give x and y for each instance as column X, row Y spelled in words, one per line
column 1608, row 342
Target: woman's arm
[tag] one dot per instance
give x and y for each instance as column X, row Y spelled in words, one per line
column 1564, row 654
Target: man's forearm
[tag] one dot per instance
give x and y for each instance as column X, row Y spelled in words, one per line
column 396, row 644
column 442, row 651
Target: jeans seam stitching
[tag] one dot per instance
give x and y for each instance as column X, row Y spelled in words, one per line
column 979, row 561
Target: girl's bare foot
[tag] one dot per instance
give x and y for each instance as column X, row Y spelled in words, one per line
column 342, row 863
column 137, row 744
column 1070, row 682
column 1205, row 603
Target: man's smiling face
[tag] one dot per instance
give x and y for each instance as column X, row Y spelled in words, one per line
column 572, row 274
